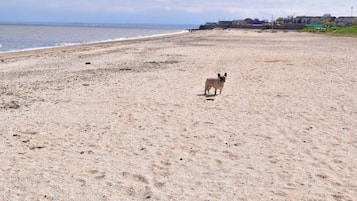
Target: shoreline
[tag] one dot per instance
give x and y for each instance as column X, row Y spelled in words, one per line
column 95, row 42
column 128, row 120
column 69, row 48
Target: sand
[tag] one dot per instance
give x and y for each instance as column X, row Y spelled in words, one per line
column 128, row 120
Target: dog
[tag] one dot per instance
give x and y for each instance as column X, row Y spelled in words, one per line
column 216, row 83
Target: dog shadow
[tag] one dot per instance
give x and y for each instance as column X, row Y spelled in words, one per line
column 209, row 97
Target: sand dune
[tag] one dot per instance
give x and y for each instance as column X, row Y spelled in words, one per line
column 128, row 120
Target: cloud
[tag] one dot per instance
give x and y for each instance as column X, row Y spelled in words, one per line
column 196, row 11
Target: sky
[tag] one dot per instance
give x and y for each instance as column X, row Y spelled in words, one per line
column 165, row 11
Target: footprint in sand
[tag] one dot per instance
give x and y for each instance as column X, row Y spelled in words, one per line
column 101, row 175
column 146, row 193
column 135, row 177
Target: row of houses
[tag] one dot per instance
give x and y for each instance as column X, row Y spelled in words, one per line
column 346, row 21
column 291, row 23
column 242, row 24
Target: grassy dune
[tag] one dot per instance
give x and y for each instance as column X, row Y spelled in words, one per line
column 345, row 31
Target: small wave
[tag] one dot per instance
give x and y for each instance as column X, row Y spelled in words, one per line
column 154, row 35
column 137, row 37
column 66, row 44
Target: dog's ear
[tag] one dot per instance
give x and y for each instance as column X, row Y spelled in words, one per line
column 219, row 75
column 225, row 74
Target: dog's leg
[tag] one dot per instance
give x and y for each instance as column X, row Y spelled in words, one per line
column 207, row 89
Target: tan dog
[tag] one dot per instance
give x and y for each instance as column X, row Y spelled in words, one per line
column 216, row 83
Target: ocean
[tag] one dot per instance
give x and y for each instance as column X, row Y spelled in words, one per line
column 19, row 37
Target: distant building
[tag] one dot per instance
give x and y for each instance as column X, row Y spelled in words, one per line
column 347, row 21
column 209, row 25
column 313, row 19
column 224, row 24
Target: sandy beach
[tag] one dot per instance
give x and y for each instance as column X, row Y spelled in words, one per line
column 128, row 120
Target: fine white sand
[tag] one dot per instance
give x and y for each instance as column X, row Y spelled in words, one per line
column 134, row 123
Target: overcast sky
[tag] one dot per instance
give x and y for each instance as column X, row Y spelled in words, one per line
column 165, row 11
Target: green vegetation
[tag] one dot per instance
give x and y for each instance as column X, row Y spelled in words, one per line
column 335, row 30
column 349, row 31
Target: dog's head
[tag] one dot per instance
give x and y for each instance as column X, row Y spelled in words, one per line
column 222, row 78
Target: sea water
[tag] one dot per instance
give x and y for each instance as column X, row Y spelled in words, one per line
column 19, row 37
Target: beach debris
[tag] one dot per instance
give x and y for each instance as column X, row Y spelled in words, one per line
column 12, row 105
column 309, row 128
column 89, row 152
column 28, row 132
column 210, row 99
column 86, row 85
column 87, row 63
column 322, row 175
column 147, row 193
column 125, row 69
column 37, row 147
column 100, row 176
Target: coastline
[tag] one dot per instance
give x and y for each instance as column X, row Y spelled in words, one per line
column 92, row 44
column 53, row 35
column 128, row 119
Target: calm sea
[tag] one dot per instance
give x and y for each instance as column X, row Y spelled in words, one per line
column 26, row 37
